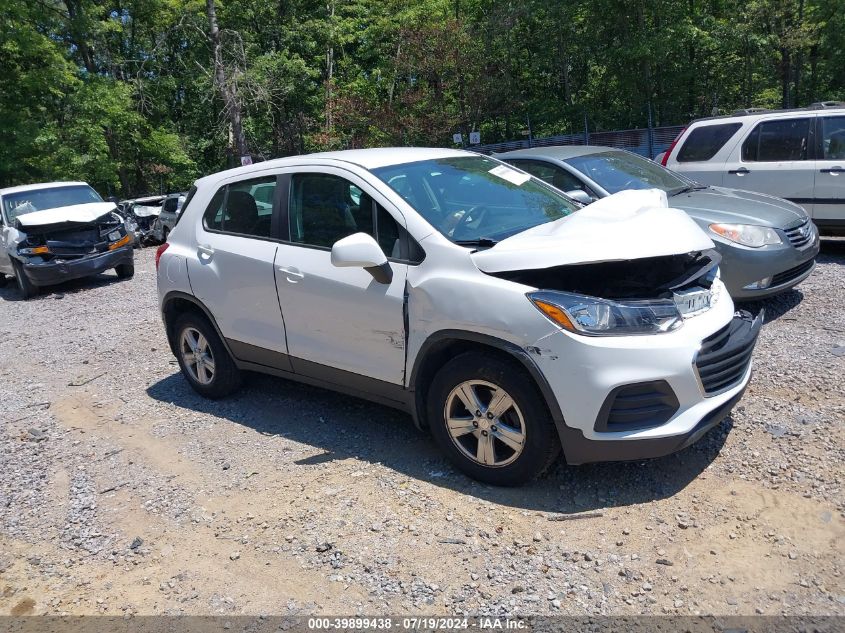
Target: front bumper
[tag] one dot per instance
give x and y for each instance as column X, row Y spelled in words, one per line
column 742, row 266
column 58, row 271
column 582, row 373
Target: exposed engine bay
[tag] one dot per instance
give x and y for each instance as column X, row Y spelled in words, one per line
column 645, row 278
column 73, row 240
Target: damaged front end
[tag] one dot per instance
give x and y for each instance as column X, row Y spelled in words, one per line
column 642, row 296
column 57, row 251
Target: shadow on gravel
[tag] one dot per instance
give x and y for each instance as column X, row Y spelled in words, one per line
column 345, row 427
column 10, row 291
column 832, row 251
column 775, row 307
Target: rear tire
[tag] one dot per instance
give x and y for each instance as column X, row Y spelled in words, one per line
column 27, row 289
column 164, row 234
column 3, row 280
column 510, row 418
column 203, row 358
column 125, row 271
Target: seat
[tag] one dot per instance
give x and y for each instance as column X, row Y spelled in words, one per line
column 241, row 213
column 836, row 149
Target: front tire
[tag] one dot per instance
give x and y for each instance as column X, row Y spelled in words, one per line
column 203, row 358
column 125, row 271
column 3, row 280
column 27, row 289
column 490, row 419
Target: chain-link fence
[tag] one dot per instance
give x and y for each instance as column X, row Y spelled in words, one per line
column 647, row 142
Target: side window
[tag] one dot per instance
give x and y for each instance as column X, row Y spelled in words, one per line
column 704, row 142
column 833, row 138
column 325, row 208
column 236, row 208
column 170, row 205
column 773, row 141
column 552, row 174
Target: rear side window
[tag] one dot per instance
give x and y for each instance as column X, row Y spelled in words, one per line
column 774, row 141
column 243, row 208
column 703, row 142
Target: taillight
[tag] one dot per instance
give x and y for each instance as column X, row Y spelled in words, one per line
column 160, row 251
column 671, row 147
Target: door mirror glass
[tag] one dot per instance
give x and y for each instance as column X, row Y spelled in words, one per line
column 580, row 196
column 362, row 251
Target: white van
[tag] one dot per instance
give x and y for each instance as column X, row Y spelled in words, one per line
column 794, row 154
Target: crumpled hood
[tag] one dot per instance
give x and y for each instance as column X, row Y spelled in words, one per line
column 77, row 213
column 626, row 225
column 721, row 204
column 142, row 211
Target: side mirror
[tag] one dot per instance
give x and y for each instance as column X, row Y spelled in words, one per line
column 579, row 195
column 360, row 250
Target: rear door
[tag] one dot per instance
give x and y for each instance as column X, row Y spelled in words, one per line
column 777, row 158
column 232, row 270
column 829, row 195
column 341, row 318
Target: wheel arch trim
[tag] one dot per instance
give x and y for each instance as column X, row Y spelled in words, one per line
column 178, row 294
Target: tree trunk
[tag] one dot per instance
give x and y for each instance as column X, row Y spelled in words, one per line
column 226, row 88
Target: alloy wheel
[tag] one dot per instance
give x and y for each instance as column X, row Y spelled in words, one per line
column 485, row 423
column 197, row 355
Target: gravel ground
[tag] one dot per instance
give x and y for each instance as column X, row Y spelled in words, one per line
column 122, row 492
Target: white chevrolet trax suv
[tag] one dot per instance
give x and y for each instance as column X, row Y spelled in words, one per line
column 482, row 301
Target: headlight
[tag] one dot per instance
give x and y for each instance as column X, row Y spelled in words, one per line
column 601, row 317
column 747, row 234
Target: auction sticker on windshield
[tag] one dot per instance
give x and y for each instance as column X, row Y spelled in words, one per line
column 511, row 175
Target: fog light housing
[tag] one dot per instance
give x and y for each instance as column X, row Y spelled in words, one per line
column 762, row 284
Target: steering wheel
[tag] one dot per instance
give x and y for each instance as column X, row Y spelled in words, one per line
column 470, row 215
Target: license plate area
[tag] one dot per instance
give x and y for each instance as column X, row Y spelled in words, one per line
column 693, row 301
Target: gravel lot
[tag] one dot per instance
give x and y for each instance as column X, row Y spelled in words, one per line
column 122, row 492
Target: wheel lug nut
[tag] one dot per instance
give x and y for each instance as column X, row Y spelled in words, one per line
column 484, row 433
column 492, row 428
column 475, row 424
column 477, row 413
column 489, row 416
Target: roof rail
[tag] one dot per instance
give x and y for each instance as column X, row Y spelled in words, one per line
column 821, row 105
column 749, row 111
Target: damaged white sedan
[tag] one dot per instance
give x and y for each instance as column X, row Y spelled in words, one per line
column 54, row 232
column 503, row 317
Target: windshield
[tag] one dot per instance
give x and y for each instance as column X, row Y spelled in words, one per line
column 16, row 204
column 475, row 199
column 616, row 171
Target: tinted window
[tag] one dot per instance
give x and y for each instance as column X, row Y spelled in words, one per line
column 170, row 205
column 325, row 208
column 552, row 174
column 703, row 142
column 40, row 199
column 773, row 141
column 469, row 198
column 833, row 138
column 236, row 209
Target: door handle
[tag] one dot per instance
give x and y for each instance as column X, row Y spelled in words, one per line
column 205, row 249
column 833, row 171
column 292, row 273
column 739, row 172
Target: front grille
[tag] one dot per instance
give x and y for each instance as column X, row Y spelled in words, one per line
column 793, row 273
column 724, row 357
column 800, row 235
column 637, row 406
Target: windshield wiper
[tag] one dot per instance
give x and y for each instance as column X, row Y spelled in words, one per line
column 485, row 242
column 694, row 186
